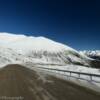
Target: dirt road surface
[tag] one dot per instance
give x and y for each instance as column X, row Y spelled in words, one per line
column 20, row 83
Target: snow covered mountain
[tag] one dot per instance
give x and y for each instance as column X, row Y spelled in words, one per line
column 93, row 54
column 39, row 50
column 8, row 56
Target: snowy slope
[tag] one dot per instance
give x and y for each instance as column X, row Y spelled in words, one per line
column 93, row 54
column 8, row 56
column 40, row 50
column 31, row 43
column 90, row 52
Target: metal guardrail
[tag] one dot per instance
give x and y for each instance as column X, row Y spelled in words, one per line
column 79, row 75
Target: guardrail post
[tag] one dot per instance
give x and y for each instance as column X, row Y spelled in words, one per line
column 70, row 73
column 91, row 78
column 78, row 75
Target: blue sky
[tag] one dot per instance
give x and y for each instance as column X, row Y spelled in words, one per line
column 72, row 22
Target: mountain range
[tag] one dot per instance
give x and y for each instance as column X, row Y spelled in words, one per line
column 92, row 54
column 40, row 50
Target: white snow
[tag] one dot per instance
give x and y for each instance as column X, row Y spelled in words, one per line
column 41, row 49
column 8, row 37
column 30, row 42
column 91, row 52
